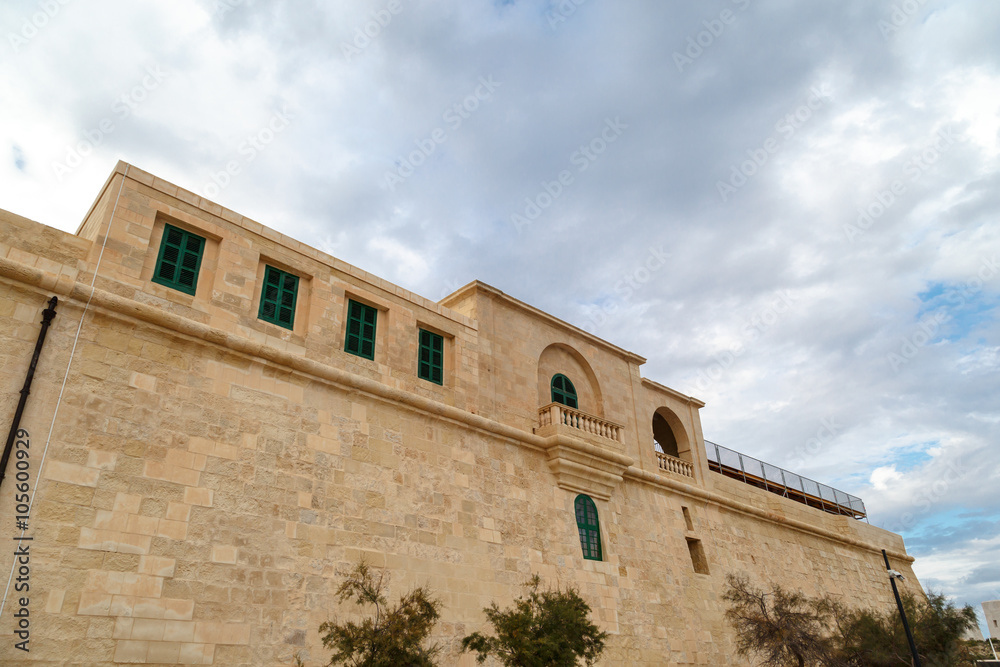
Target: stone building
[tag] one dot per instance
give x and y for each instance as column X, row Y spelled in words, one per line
column 991, row 609
column 223, row 421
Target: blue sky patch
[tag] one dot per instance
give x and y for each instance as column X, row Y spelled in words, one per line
column 911, row 458
column 19, row 160
column 967, row 305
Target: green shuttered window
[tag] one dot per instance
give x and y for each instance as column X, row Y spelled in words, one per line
column 589, row 528
column 430, row 360
column 277, row 299
column 563, row 391
column 179, row 260
column 361, row 330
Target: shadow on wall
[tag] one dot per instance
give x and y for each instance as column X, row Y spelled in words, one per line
column 669, row 436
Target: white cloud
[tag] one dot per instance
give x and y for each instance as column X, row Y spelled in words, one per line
column 857, row 300
column 884, row 476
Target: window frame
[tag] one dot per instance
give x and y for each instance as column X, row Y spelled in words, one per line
column 183, row 250
column 567, row 394
column 358, row 349
column 587, row 530
column 432, row 350
column 277, row 301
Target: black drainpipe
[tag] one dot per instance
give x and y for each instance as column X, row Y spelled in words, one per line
column 47, row 315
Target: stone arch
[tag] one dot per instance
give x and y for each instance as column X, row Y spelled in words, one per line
column 561, row 358
column 669, row 434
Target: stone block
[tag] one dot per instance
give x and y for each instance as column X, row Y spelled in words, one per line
column 196, row 654
column 164, row 652
column 131, row 652
column 183, row 459
column 70, row 473
column 174, row 530
column 194, row 496
column 54, row 600
column 110, row 540
column 141, row 380
column 171, row 473
column 178, row 511
column 223, row 554
column 178, row 631
column 94, row 603
column 123, row 627
column 157, row 566
column 150, row 629
column 127, row 503
column 101, row 460
column 222, row 633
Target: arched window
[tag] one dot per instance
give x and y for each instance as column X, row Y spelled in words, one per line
column 589, row 527
column 563, row 391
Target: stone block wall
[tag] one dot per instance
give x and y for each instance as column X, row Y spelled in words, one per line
column 207, row 479
column 991, row 609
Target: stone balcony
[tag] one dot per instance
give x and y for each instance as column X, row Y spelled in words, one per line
column 673, row 464
column 556, row 414
column 585, row 452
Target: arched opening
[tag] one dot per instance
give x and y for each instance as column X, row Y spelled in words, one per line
column 560, row 367
column 664, row 440
column 670, row 436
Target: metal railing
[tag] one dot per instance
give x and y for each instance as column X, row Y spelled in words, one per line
column 782, row 482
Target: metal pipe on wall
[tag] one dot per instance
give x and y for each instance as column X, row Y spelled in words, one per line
column 47, row 316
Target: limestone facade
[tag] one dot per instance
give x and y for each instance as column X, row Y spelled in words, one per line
column 202, row 479
column 991, row 609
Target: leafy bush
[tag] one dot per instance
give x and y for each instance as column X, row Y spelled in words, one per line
column 550, row 628
column 785, row 629
column 394, row 636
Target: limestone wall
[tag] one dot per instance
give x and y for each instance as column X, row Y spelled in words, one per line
column 991, row 609
column 209, row 479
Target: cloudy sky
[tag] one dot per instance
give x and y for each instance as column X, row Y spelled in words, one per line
column 790, row 208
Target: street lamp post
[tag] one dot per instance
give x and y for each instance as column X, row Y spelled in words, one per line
column 893, row 575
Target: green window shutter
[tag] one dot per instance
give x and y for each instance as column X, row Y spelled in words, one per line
column 589, row 528
column 430, row 357
column 361, row 321
column 179, row 260
column 277, row 298
column 563, row 391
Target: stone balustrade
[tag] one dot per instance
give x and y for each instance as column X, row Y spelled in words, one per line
column 556, row 413
column 674, row 464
